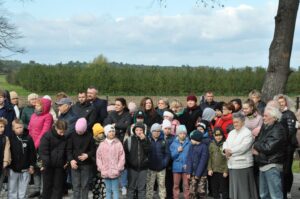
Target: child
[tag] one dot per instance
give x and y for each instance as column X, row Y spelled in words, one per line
column 54, row 160
column 111, row 161
column 217, row 166
column 179, row 152
column 80, row 151
column 196, row 165
column 159, row 157
column 202, row 127
column 23, row 157
column 167, row 129
column 5, row 154
column 137, row 150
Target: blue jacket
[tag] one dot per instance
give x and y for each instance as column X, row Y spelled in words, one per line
column 179, row 159
column 197, row 160
column 159, row 155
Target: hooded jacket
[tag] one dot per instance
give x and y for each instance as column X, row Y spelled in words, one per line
column 179, row 158
column 225, row 123
column 40, row 124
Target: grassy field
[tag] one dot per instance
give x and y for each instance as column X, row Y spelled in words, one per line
column 5, row 85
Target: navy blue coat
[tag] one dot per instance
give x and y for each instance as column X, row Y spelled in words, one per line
column 8, row 113
column 159, row 155
column 100, row 106
column 197, row 160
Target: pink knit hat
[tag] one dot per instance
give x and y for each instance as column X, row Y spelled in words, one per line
column 81, row 126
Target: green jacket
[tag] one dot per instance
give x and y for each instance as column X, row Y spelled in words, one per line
column 26, row 114
column 217, row 161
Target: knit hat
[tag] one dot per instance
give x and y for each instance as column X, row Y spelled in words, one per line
column 208, row 114
column 181, row 129
column 13, row 95
column 81, row 126
column 169, row 114
column 191, row 97
column 196, row 135
column 97, row 129
column 202, row 125
column 138, row 125
column 32, row 96
column 166, row 124
column 109, row 128
column 155, row 127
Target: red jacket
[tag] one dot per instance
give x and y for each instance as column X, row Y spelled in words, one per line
column 225, row 123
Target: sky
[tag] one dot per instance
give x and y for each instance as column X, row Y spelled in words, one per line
column 173, row 32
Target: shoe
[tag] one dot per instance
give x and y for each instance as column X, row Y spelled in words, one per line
column 124, row 191
column 289, row 195
column 34, row 194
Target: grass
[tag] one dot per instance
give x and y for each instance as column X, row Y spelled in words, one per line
column 296, row 166
column 5, row 85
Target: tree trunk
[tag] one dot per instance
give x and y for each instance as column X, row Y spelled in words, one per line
column 280, row 50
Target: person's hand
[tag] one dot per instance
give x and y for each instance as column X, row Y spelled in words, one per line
column 210, row 172
column 83, row 157
column 180, row 149
column 31, row 170
column 225, row 175
column 228, row 153
column 254, row 151
column 74, row 164
column 42, row 168
column 142, row 136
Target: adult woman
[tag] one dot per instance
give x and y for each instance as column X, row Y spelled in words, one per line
column 162, row 105
column 151, row 116
column 225, row 121
column 253, row 120
column 237, row 149
column 29, row 109
column 269, row 152
column 120, row 118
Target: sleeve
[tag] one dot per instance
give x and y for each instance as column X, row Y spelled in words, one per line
column 174, row 151
column 202, row 162
column 103, row 111
column 70, row 149
column 24, row 118
column 46, row 127
column 121, row 154
column 124, row 123
column 32, row 152
column 7, row 153
column 189, row 161
column 71, row 126
column 91, row 150
column 99, row 158
column 108, row 120
column 167, row 155
column 209, row 165
column 92, row 118
column 244, row 146
column 44, row 150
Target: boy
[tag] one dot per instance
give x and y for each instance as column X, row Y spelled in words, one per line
column 23, row 157
column 6, row 111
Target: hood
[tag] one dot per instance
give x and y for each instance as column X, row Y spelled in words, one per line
column 46, row 104
column 208, row 114
column 227, row 117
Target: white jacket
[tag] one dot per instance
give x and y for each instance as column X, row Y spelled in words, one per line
column 240, row 143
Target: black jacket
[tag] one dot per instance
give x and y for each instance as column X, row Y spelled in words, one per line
column 137, row 154
column 190, row 117
column 211, row 105
column 100, row 106
column 78, row 144
column 53, row 150
column 151, row 118
column 8, row 113
column 87, row 111
column 288, row 120
column 23, row 154
column 271, row 143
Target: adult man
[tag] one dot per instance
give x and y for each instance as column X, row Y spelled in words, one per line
column 208, row 101
column 100, row 105
column 83, row 108
column 14, row 98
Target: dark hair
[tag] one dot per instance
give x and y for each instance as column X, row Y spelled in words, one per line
column 143, row 106
column 229, row 106
column 2, row 93
column 123, row 102
column 61, row 125
column 81, row 91
column 251, row 103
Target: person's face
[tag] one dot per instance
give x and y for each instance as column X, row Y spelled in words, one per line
column 167, row 131
column 194, row 142
column 2, row 100
column 268, row 119
column 155, row 134
column 18, row 129
column 32, row 102
column 82, row 98
column 148, row 105
column 138, row 131
column 282, row 103
column 182, row 136
column 161, row 104
column 218, row 138
column 168, row 118
column 38, row 107
column 247, row 109
column 191, row 103
column 255, row 99
column 237, row 124
column 60, row 132
column 140, row 119
column 118, row 106
column 63, row 108
column 176, row 109
column 236, row 105
column 199, row 128
column 2, row 128
column 111, row 135
column 209, row 97
column 15, row 101
column 91, row 94
column 226, row 111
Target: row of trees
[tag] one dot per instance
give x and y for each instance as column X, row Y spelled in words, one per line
column 124, row 79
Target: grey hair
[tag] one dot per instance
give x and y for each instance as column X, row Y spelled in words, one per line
column 239, row 116
column 273, row 112
column 165, row 100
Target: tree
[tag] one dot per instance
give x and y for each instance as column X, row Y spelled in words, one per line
column 280, row 50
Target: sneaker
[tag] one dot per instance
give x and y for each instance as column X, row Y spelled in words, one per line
column 289, row 195
column 124, row 191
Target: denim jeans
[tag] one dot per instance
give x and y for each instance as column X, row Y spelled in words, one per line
column 17, row 184
column 112, row 187
column 80, row 181
column 270, row 186
column 124, row 181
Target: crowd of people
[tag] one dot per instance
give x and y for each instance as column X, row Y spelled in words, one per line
column 223, row 149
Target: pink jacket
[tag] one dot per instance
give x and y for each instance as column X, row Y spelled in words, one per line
column 40, row 124
column 110, row 158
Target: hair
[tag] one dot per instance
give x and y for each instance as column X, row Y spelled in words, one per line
column 229, row 106
column 81, row 91
column 32, row 96
column 208, row 92
column 61, row 95
column 2, row 93
column 61, row 125
column 289, row 102
column 239, row 115
column 3, row 121
column 123, row 102
column 143, row 105
column 17, row 121
column 255, row 92
column 175, row 103
column 273, row 112
column 94, row 88
column 165, row 100
column 251, row 104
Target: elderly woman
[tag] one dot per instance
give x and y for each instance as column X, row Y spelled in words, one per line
column 268, row 149
column 237, row 149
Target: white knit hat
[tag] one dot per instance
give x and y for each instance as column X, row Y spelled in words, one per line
column 109, row 128
column 166, row 124
column 169, row 114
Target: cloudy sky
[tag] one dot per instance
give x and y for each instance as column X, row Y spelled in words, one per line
column 176, row 32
